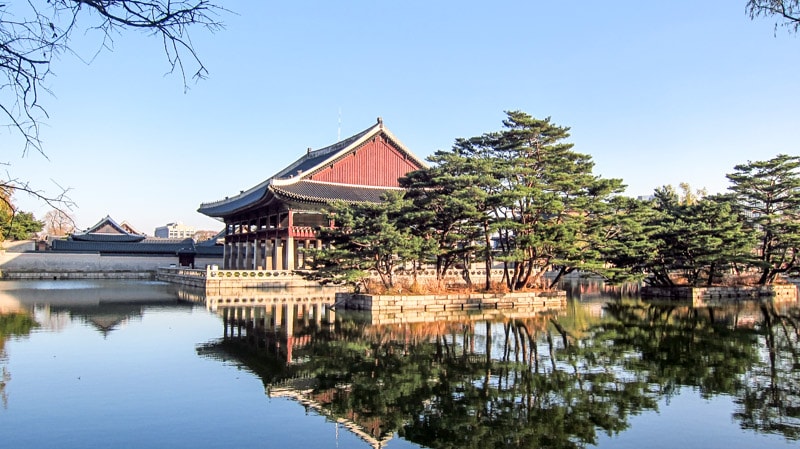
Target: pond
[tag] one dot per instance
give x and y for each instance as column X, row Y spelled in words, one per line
column 146, row 364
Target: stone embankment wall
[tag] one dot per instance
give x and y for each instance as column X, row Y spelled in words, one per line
column 428, row 303
column 777, row 292
column 48, row 265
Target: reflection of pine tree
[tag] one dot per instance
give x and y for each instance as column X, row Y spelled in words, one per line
column 770, row 400
column 4, row 379
column 11, row 324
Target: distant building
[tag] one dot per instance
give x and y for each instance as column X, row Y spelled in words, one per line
column 175, row 231
column 108, row 237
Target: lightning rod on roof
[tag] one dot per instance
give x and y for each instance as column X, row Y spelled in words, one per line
column 339, row 128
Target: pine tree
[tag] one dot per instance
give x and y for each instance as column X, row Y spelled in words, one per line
column 367, row 237
column 544, row 200
column 768, row 195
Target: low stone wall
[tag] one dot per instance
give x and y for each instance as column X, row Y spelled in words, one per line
column 52, row 265
column 429, row 303
column 776, row 292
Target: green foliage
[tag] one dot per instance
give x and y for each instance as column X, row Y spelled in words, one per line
column 541, row 197
column 19, row 225
column 767, row 194
column 15, row 324
column 700, row 240
column 627, row 230
column 521, row 196
column 367, row 237
column 448, row 208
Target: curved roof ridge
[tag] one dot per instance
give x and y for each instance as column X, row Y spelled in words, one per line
column 312, row 160
column 260, row 186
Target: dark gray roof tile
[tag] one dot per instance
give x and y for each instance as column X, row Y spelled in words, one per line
column 324, row 192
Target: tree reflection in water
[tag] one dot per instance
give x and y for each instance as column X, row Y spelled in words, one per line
column 12, row 324
column 552, row 379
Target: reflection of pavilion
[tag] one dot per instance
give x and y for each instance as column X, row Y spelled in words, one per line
column 276, row 323
column 105, row 306
column 290, row 339
column 302, row 390
column 274, row 318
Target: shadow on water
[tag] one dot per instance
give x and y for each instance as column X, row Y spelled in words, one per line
column 551, row 378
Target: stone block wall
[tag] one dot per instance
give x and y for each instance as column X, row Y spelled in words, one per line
column 48, row 265
column 779, row 292
column 428, row 303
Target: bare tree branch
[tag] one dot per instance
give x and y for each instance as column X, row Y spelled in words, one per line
column 35, row 32
column 787, row 11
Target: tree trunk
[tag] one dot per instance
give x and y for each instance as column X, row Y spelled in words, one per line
column 488, row 255
column 466, row 275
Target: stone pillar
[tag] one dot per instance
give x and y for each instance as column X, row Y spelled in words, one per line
column 269, row 255
column 330, row 315
column 258, row 260
column 289, row 253
column 279, row 317
column 317, row 314
column 290, row 317
column 239, row 256
column 301, row 255
column 280, row 264
column 247, row 255
column 225, row 322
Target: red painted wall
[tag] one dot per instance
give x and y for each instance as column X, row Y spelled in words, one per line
column 377, row 163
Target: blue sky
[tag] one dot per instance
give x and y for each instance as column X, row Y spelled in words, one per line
column 656, row 92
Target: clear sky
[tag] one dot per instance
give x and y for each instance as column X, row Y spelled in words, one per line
column 656, row 92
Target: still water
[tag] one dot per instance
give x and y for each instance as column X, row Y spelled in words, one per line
column 137, row 364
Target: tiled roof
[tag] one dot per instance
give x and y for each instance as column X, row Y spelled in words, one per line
column 146, row 246
column 291, row 182
column 230, row 205
column 120, row 234
column 107, row 221
column 315, row 158
column 107, row 237
column 209, row 251
column 325, row 192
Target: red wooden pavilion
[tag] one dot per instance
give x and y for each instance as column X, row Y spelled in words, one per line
column 269, row 224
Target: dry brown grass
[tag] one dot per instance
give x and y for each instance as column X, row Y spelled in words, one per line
column 432, row 287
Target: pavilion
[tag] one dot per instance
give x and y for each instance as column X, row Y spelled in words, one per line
column 269, row 225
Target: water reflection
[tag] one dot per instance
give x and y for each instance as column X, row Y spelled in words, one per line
column 53, row 305
column 536, row 378
column 562, row 377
